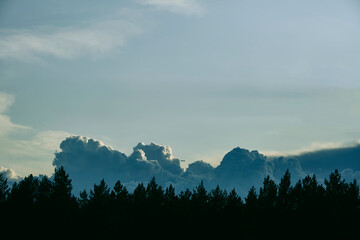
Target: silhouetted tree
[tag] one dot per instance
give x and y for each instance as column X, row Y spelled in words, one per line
column 45, row 189
column 200, row 196
column 139, row 194
column 62, row 186
column 4, row 188
column 283, row 207
column 268, row 193
column 170, row 196
column 184, row 204
column 352, row 195
column 99, row 197
column 283, row 200
column 233, row 202
column 43, row 200
column 154, row 193
column 251, row 199
column 335, row 188
column 83, row 199
column 25, row 193
column 121, row 200
column 64, row 203
column 185, row 196
column 120, row 193
column 217, row 199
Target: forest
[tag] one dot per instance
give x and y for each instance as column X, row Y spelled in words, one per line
column 39, row 206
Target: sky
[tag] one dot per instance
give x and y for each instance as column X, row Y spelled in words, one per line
column 202, row 76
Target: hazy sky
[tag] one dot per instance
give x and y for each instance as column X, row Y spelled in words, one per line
column 202, row 76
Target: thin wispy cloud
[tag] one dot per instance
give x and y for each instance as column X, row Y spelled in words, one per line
column 6, row 125
column 92, row 40
column 186, row 7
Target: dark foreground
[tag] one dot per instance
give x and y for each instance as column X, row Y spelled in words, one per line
column 307, row 209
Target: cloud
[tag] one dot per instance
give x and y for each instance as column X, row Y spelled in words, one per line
column 9, row 174
column 200, row 170
column 186, row 7
column 6, row 125
column 89, row 160
column 163, row 154
column 242, row 169
column 5, row 101
column 323, row 161
column 92, row 39
column 281, row 164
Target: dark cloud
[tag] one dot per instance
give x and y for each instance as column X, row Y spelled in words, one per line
column 241, row 168
column 198, row 171
column 323, row 162
column 329, row 159
column 281, row 164
column 163, row 155
column 88, row 161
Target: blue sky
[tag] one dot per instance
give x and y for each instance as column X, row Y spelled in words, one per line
column 201, row 76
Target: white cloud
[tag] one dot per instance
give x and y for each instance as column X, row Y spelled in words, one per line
column 314, row 146
column 5, row 101
column 6, row 125
column 9, row 173
column 92, row 40
column 187, row 7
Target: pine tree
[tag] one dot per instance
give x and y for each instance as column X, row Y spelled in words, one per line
column 83, row 199
column 4, row 188
column 139, row 194
column 283, row 200
column 100, row 194
column 25, row 192
column 62, row 186
column 154, row 193
column 335, row 187
column 217, row 199
column 200, row 196
column 45, row 189
column 352, row 195
column 251, row 199
column 268, row 193
column 233, row 200
column 99, row 197
column 120, row 192
column 170, row 196
column 62, row 200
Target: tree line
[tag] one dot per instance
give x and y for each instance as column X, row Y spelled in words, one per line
column 275, row 210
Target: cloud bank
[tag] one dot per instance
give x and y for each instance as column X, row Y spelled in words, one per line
column 88, row 160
